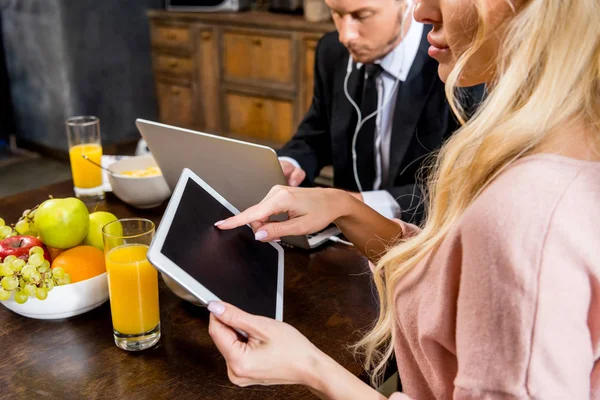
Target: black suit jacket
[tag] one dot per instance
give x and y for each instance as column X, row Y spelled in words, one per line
column 422, row 120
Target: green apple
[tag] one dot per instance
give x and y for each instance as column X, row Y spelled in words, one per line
column 97, row 220
column 62, row 223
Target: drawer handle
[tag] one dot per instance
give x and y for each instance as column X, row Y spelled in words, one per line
column 257, row 42
column 258, row 105
column 172, row 36
column 206, row 36
column 174, row 65
column 175, row 92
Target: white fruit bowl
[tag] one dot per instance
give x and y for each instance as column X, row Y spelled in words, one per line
column 64, row 301
column 180, row 291
column 140, row 192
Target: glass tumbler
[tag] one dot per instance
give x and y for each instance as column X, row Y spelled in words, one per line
column 83, row 133
column 132, row 283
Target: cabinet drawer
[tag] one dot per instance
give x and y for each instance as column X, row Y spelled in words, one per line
column 175, row 104
column 257, row 57
column 178, row 66
column 259, row 117
column 170, row 36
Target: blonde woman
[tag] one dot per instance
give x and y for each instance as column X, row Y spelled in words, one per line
column 498, row 296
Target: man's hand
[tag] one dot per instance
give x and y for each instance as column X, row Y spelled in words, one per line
column 294, row 175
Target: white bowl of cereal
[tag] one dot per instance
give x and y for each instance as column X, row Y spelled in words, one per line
column 139, row 182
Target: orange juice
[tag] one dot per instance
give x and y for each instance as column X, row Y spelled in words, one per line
column 85, row 174
column 133, row 287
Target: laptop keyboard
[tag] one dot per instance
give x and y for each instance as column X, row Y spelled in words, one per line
column 312, row 235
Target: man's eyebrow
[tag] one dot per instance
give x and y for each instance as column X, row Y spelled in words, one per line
column 357, row 11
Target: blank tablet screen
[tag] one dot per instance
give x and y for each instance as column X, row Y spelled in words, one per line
column 231, row 264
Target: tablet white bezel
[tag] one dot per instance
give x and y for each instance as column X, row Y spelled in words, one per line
column 165, row 265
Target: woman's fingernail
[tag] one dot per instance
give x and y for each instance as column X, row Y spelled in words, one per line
column 216, row 308
column 219, row 223
column 293, row 183
column 260, row 235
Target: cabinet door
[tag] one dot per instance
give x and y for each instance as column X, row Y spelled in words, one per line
column 175, row 104
column 258, row 56
column 208, row 82
column 261, row 119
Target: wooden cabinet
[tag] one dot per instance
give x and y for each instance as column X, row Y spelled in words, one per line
column 174, row 65
column 247, row 75
column 175, row 104
column 251, row 57
column 206, row 78
column 266, row 119
column 171, row 36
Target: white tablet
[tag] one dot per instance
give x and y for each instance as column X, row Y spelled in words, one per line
column 213, row 264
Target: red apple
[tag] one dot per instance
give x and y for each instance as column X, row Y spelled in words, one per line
column 19, row 246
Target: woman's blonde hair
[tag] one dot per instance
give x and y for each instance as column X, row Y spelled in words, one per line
column 547, row 73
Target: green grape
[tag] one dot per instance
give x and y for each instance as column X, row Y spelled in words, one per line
column 22, row 227
column 20, row 297
column 10, row 282
column 4, row 294
column 41, row 293
column 36, row 260
column 32, row 231
column 5, row 231
column 50, row 285
column 31, row 215
column 8, row 260
column 26, row 212
column 18, row 264
column 64, row 281
column 2, row 223
column 6, row 270
column 30, row 289
column 27, row 271
column 45, row 267
column 36, row 250
column 58, row 273
column 35, row 277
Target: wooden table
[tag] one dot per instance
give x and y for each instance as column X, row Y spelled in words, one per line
column 328, row 297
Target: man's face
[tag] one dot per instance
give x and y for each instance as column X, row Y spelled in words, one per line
column 368, row 28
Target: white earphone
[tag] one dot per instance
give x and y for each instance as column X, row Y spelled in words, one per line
column 361, row 121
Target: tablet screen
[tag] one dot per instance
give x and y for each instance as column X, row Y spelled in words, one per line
column 231, row 264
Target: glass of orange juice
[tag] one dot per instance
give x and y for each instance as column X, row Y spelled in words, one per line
column 132, row 283
column 83, row 133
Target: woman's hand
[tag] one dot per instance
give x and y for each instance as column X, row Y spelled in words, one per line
column 309, row 209
column 275, row 353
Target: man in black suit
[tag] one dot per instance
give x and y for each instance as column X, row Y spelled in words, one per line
column 389, row 76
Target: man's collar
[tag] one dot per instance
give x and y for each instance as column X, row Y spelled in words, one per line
column 399, row 61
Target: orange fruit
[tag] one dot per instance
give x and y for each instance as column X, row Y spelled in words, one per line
column 81, row 262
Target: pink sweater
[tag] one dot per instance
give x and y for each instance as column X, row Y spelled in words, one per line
column 509, row 306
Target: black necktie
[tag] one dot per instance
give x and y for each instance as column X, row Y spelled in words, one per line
column 365, row 142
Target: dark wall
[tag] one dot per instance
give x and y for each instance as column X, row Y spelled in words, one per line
column 7, row 122
column 67, row 58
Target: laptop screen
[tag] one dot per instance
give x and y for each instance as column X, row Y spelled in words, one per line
column 231, row 264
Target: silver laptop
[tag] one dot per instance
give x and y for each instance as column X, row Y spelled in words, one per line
column 241, row 172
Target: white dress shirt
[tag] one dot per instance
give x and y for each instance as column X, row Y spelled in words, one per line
column 396, row 66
